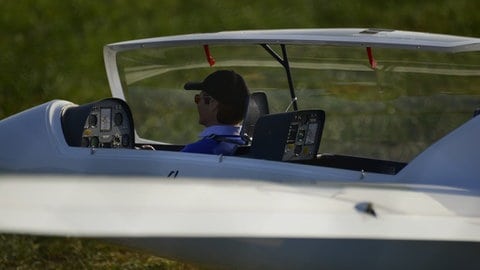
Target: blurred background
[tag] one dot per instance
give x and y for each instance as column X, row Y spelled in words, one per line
column 53, row 50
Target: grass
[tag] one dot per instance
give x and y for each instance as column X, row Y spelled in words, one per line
column 36, row 252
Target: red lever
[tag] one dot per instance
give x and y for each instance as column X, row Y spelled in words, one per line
column 373, row 63
column 210, row 59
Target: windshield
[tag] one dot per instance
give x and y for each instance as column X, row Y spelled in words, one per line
column 391, row 105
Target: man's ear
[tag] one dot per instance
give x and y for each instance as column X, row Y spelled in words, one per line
column 213, row 104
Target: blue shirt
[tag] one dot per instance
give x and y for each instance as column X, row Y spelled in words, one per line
column 218, row 139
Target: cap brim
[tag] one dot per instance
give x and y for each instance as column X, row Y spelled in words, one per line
column 193, row 86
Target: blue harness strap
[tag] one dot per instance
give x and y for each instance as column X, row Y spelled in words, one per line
column 215, row 144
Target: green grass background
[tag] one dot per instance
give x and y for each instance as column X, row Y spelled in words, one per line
column 53, row 50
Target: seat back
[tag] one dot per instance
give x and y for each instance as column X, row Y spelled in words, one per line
column 257, row 106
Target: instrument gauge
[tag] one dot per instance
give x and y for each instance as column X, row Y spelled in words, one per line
column 94, row 142
column 118, row 119
column 92, row 120
column 105, row 119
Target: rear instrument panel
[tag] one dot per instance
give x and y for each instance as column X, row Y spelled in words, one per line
column 288, row 136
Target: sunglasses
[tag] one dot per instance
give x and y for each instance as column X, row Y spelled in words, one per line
column 206, row 99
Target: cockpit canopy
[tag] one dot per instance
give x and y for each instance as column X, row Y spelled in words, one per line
column 386, row 94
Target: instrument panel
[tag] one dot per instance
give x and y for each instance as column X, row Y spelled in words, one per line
column 108, row 125
column 288, row 136
column 303, row 132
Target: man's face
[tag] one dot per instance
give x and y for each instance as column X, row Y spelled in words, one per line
column 207, row 109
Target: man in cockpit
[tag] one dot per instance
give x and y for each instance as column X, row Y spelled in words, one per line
column 221, row 106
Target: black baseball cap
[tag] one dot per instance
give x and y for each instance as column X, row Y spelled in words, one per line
column 226, row 86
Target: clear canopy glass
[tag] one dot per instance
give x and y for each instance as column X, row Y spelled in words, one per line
column 381, row 103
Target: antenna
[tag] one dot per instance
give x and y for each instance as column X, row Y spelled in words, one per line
column 291, row 103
